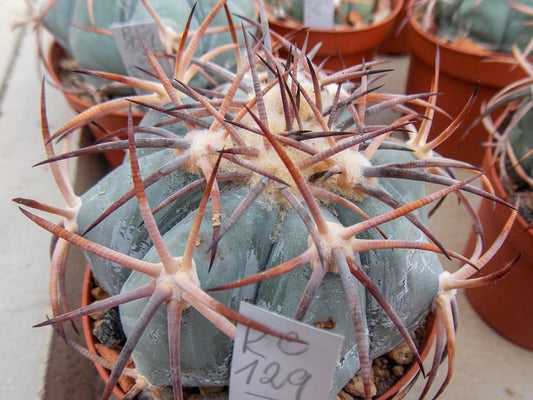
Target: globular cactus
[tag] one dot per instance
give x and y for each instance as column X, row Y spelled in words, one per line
column 206, row 41
column 275, row 190
column 201, row 32
column 82, row 28
column 347, row 13
column 508, row 116
column 492, row 25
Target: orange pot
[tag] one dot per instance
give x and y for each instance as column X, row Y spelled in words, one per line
column 460, row 70
column 110, row 122
column 87, row 324
column 397, row 42
column 410, row 374
column 341, row 46
column 506, row 305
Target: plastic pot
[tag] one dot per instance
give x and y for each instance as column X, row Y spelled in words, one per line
column 397, row 42
column 506, row 305
column 460, row 70
column 87, row 325
column 341, row 46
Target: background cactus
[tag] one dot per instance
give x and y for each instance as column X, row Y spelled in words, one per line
column 286, row 196
column 198, row 50
column 486, row 25
column 521, row 158
column 495, row 25
column 512, row 140
column 346, row 13
column 82, row 28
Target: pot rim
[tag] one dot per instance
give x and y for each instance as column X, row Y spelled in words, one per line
column 87, row 332
column 490, row 69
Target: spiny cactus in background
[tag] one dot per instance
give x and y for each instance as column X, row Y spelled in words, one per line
column 274, row 189
column 212, row 46
column 83, row 29
column 492, row 25
column 512, row 137
column 347, row 13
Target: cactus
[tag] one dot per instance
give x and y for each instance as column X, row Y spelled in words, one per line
column 346, row 12
column 274, row 189
column 200, row 32
column 491, row 25
column 82, row 27
column 512, row 139
column 209, row 47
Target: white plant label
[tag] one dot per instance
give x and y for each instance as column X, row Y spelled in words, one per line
column 129, row 39
column 319, row 14
column 265, row 367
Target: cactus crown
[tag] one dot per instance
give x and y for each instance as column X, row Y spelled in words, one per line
column 284, row 155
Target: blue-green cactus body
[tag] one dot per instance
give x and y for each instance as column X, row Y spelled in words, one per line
column 402, row 275
column 265, row 236
column 206, row 350
column 123, row 230
column 492, row 23
column 57, row 21
column 282, row 295
column 521, row 141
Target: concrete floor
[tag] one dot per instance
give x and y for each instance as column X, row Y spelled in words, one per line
column 487, row 366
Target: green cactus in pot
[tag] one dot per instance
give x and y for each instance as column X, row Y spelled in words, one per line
column 199, row 31
column 508, row 117
column 347, row 13
column 83, row 27
column 273, row 190
column 486, row 25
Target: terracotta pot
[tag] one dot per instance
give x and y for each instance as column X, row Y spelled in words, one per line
column 87, row 324
column 460, row 70
column 109, row 123
column 397, row 42
column 410, row 374
column 341, row 46
column 506, row 305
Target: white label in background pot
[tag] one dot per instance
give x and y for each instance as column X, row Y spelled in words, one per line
column 129, row 39
column 319, row 14
column 266, row 367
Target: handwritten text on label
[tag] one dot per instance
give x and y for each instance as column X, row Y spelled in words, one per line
column 267, row 367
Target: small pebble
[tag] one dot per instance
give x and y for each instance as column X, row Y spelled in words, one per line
column 398, row 370
column 344, row 396
column 356, row 388
column 108, row 330
column 510, row 392
column 401, row 354
column 380, row 368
